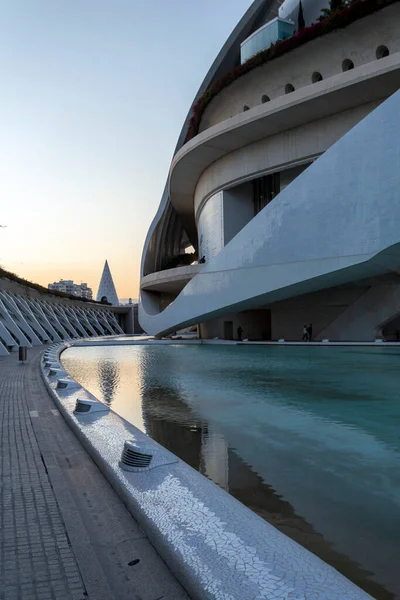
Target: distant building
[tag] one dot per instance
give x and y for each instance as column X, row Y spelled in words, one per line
column 85, row 291
column 127, row 301
column 80, row 290
column 107, row 291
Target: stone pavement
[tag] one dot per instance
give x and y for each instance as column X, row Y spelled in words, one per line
column 64, row 533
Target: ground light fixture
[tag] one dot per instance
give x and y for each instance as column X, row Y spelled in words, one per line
column 67, row 384
column 57, row 371
column 139, row 456
column 86, row 405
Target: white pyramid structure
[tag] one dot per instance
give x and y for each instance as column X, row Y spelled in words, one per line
column 107, row 287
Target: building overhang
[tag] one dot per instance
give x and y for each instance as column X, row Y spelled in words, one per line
column 370, row 82
column 171, row 281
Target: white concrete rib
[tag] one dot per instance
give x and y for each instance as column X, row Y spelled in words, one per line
column 26, row 321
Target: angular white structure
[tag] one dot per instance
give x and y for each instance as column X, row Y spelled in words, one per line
column 107, row 287
column 29, row 321
column 286, row 187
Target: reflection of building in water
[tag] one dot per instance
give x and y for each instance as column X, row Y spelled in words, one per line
column 171, row 422
column 108, row 374
column 174, row 425
column 250, row 489
column 214, row 452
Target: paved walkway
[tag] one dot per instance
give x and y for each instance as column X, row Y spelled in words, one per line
column 64, row 533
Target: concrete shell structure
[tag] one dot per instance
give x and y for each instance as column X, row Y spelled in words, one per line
column 107, row 287
column 287, row 195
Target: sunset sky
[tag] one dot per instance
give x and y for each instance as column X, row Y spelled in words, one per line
column 93, row 96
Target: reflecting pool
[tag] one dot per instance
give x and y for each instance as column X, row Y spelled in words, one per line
column 308, row 438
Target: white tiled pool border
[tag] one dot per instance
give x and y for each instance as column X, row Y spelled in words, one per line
column 218, row 548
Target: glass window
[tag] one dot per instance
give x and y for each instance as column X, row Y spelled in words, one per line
column 277, row 29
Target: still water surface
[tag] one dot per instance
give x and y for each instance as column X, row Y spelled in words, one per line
column 308, row 438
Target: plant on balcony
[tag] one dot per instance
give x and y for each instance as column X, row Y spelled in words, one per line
column 334, row 6
column 335, row 19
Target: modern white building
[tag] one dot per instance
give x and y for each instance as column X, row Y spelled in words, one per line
column 80, row 290
column 285, row 183
column 107, row 289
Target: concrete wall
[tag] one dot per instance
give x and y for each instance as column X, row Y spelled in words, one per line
column 165, row 299
column 211, row 227
column 31, row 318
column 121, row 313
column 289, row 175
column 345, row 313
column 319, row 308
column 277, row 152
column 23, row 290
column 357, row 42
column 363, row 320
column 222, row 216
column 238, row 209
column 256, row 325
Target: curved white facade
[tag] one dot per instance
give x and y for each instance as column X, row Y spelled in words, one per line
column 289, row 199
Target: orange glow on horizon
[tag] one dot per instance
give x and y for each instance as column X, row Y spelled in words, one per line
column 126, row 283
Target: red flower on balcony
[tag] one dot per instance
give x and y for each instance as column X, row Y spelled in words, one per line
column 335, row 20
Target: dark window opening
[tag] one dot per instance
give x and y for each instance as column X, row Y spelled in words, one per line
column 264, row 190
column 347, row 65
column 382, row 51
column 315, row 77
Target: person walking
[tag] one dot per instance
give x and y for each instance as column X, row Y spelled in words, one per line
column 239, row 333
column 309, row 331
column 305, row 334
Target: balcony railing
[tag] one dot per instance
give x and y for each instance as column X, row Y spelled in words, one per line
column 263, row 38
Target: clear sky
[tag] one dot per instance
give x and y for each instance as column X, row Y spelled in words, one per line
column 93, row 95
